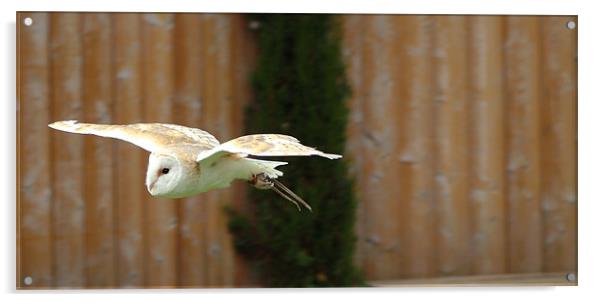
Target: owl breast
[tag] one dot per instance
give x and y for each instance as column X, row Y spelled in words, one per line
column 215, row 175
column 203, row 177
column 221, row 173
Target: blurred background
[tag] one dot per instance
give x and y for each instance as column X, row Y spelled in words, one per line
column 461, row 138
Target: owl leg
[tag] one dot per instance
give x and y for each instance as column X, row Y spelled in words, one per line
column 275, row 189
column 296, row 197
column 262, row 182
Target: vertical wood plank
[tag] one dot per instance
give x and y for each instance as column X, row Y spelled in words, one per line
column 213, row 122
column 559, row 144
column 487, row 143
column 353, row 36
column 453, row 229
column 228, row 108
column 130, row 167
column 35, row 202
column 187, row 111
column 243, row 55
column 67, row 159
column 240, row 71
column 380, row 140
column 98, row 156
column 368, row 243
column 161, row 219
column 522, row 49
column 219, row 101
column 416, row 152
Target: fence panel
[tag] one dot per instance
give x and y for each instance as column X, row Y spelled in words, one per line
column 68, row 210
column 486, row 124
column 98, row 152
column 129, row 159
column 85, row 216
column 35, row 184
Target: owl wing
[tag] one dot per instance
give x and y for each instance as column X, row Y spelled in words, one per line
column 263, row 145
column 153, row 137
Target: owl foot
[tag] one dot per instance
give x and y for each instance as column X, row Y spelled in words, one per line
column 262, row 182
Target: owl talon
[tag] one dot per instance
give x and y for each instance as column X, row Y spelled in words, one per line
column 260, row 181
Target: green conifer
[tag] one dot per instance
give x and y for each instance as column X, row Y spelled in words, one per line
column 300, row 89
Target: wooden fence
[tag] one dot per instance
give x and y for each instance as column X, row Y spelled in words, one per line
column 462, row 138
column 85, row 216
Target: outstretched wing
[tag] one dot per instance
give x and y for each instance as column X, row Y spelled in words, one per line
column 264, row 145
column 153, row 137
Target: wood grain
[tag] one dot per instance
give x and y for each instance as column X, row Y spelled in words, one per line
column 213, row 250
column 35, row 185
column 69, row 208
column 226, row 99
column 243, row 63
column 487, row 144
column 98, row 152
column 379, row 138
column 533, row 279
column 523, row 65
column 417, row 149
column 451, row 152
column 559, row 126
column 188, row 107
column 130, row 160
column 161, row 219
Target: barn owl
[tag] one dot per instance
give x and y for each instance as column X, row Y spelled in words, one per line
column 186, row 161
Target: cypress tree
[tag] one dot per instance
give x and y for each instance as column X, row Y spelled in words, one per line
column 300, row 89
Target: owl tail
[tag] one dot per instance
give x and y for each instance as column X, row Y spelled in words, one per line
column 267, row 167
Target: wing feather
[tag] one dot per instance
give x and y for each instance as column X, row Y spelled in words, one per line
column 153, row 137
column 264, row 145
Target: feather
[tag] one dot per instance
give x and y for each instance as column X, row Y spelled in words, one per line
column 153, row 137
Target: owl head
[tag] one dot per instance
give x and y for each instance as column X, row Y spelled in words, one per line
column 163, row 175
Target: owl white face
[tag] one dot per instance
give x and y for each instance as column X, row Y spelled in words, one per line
column 162, row 175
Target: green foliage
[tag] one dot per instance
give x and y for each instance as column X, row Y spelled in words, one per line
column 300, row 89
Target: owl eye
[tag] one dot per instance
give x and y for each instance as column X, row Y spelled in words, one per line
column 165, row 171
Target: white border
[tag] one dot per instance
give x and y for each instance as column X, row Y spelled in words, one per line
column 315, row 6
column 590, row 209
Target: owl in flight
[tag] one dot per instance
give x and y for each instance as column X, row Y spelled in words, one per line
column 187, row 161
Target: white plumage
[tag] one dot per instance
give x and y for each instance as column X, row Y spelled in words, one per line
column 187, row 161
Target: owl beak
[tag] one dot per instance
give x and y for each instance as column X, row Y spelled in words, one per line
column 151, row 186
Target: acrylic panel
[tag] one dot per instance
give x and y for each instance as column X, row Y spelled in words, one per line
column 461, row 140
